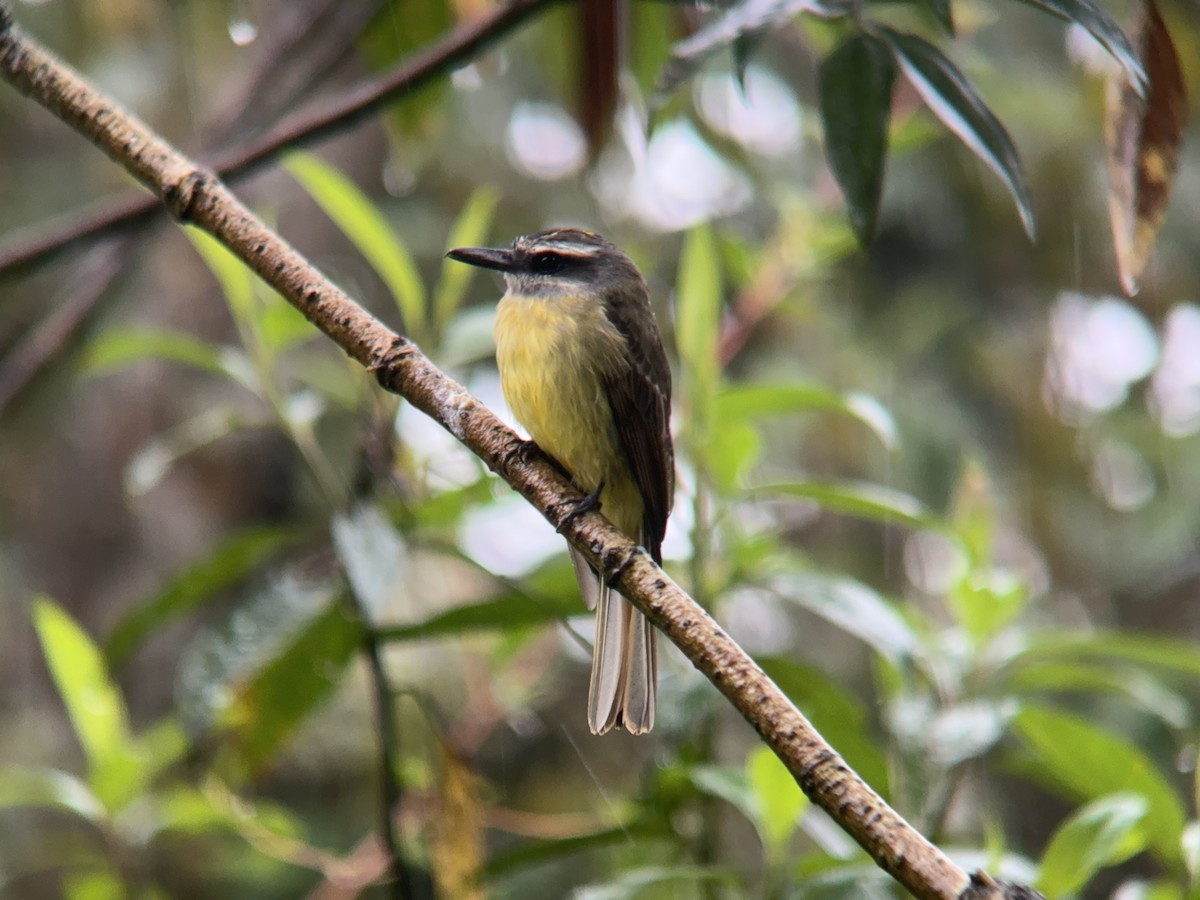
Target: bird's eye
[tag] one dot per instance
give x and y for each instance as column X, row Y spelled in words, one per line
column 547, row 263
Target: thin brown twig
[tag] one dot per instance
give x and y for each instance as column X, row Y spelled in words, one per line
column 92, row 279
column 283, row 64
column 321, row 120
column 196, row 195
column 44, row 341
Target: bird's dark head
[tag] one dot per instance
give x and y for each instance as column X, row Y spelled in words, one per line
column 556, row 263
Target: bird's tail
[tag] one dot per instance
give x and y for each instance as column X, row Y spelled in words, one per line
column 624, row 681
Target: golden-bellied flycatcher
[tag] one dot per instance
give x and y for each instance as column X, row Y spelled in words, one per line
column 582, row 367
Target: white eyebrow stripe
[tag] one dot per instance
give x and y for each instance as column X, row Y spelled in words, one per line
column 582, row 251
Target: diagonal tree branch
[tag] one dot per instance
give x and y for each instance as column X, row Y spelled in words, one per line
column 194, row 194
column 321, row 120
column 281, row 75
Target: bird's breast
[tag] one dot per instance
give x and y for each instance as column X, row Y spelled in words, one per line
column 554, row 356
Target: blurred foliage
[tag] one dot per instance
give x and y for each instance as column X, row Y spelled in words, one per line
column 945, row 489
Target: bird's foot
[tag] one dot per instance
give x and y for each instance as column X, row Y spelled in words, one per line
column 590, row 503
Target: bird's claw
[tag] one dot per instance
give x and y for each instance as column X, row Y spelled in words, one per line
column 590, row 503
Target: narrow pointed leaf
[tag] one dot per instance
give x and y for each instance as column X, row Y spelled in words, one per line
column 470, row 229
column 744, row 47
column 234, row 276
column 1092, row 18
column 857, row 498
column 94, row 704
column 728, row 784
column 836, row 713
column 955, row 102
column 1144, row 137
column 1173, row 655
column 778, row 799
column 504, row 613
column 1103, row 833
column 697, row 320
column 856, row 103
column 117, row 348
column 243, row 553
column 853, row 607
column 1087, row 762
column 367, row 228
column 280, row 656
column 48, row 789
column 755, row 400
column 941, row 12
column 745, row 20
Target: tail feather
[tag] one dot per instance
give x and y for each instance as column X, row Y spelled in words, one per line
column 624, row 680
column 641, row 667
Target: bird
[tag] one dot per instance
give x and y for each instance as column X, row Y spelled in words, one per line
column 583, row 369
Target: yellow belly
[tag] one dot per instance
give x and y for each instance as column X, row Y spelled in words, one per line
column 552, row 355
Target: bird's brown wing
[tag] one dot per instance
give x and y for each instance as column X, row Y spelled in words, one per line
column 640, row 397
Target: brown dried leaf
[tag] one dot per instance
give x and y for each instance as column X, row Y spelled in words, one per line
column 600, row 32
column 457, row 851
column 1143, row 139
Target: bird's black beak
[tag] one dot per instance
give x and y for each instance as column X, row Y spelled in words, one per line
column 484, row 257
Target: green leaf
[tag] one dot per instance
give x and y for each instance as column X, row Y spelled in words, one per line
column 986, row 600
column 1103, row 833
column 1100, row 25
column 1105, row 678
column 93, row 703
column 853, row 607
column 973, row 514
column 744, row 47
column 281, row 657
column 120, row 347
column 367, row 228
column 856, row 107
column 282, row 326
column 238, row 556
column 48, row 789
column 726, row 784
column 743, row 21
column 838, row 715
column 161, row 746
column 830, row 878
column 954, row 101
column 863, row 499
column 697, row 320
column 188, row 810
column 503, row 613
column 470, row 229
column 652, row 27
column 1088, row 762
column 93, row 884
column 963, row 731
column 730, row 452
column 399, row 29
column 631, row 883
column 1153, row 651
column 528, row 854
column 372, row 554
column 234, row 277
column 777, row 797
column 756, row 400
column 942, row 14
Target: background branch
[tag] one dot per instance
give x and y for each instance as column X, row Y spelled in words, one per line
column 322, row 120
column 194, row 194
column 281, row 74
